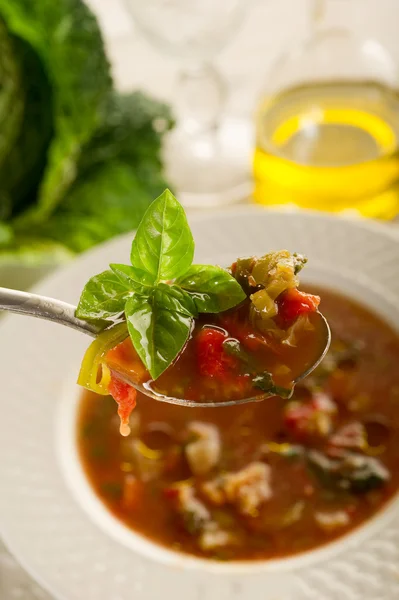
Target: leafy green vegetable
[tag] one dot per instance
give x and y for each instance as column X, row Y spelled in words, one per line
column 158, row 309
column 234, row 348
column 299, row 262
column 108, row 201
column 5, row 234
column 158, row 334
column 163, row 245
column 21, row 169
column 351, row 473
column 68, row 42
column 264, row 382
column 103, row 296
column 79, row 163
column 131, row 132
column 11, row 106
column 212, row 288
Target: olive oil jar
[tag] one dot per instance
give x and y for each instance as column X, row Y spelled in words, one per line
column 328, row 126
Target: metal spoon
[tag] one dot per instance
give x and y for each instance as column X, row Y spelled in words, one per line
column 59, row 312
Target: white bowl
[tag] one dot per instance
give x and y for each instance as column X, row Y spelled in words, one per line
column 62, row 532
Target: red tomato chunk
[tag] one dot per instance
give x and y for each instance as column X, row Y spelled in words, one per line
column 213, row 361
column 125, row 396
column 293, row 303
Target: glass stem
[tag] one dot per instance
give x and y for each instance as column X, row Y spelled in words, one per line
column 201, row 96
column 319, row 9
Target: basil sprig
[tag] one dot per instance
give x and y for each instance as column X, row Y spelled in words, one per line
column 161, row 293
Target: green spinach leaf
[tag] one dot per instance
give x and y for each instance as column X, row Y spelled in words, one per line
column 103, row 296
column 264, row 382
column 212, row 288
column 158, row 334
column 163, row 245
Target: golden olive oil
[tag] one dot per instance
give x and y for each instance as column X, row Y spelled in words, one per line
column 330, row 146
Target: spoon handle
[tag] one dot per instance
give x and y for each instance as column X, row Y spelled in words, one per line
column 41, row 307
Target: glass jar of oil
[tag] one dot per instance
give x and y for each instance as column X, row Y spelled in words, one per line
column 328, row 128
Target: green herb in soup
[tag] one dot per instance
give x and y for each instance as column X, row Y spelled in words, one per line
column 262, row 480
column 197, row 332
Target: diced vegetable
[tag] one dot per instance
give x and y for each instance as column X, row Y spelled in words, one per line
column 306, row 420
column 242, row 271
column 264, row 381
column 125, row 396
column 351, row 436
column 294, row 514
column 352, row 473
column 275, row 272
column 331, row 521
column 203, row 452
column 284, row 449
column 264, row 305
column 293, row 303
column 249, row 336
column 213, row 361
column 214, row 537
column 247, row 489
column 267, row 278
column 94, row 374
column 193, row 512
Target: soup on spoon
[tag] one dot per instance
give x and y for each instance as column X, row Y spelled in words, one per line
column 197, row 334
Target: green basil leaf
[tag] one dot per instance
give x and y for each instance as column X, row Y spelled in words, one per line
column 175, row 299
column 163, row 245
column 103, row 296
column 212, row 288
column 133, row 278
column 157, row 333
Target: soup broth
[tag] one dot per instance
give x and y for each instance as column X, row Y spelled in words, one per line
column 264, row 480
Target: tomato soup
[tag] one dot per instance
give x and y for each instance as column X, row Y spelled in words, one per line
column 262, row 480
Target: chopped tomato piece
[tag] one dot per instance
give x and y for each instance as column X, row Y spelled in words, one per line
column 125, row 396
column 251, row 339
column 212, row 358
column 306, row 420
column 293, row 303
column 171, row 493
column 351, row 436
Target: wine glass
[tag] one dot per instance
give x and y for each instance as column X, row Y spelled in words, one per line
column 207, row 155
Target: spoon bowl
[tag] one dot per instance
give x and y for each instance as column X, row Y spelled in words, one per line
column 59, row 312
column 147, row 390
